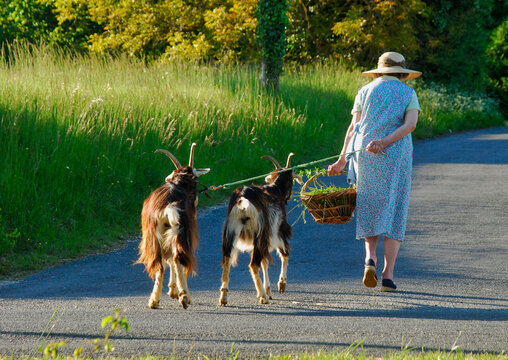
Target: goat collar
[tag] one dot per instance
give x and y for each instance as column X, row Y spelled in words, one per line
column 204, row 189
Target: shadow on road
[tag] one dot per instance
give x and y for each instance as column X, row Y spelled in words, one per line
column 481, row 147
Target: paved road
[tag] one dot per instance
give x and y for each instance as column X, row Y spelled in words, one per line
column 452, row 274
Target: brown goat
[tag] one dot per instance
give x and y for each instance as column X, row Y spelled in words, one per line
column 256, row 222
column 169, row 226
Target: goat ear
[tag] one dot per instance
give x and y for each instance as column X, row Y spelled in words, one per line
column 199, row 172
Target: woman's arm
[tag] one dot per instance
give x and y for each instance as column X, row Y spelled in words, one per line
column 410, row 120
column 338, row 166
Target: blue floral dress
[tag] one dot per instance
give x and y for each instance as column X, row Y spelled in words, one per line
column 383, row 182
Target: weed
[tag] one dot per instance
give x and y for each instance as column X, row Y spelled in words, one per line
column 7, row 239
column 51, row 349
column 116, row 321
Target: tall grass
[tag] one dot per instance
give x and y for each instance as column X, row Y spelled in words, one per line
column 77, row 136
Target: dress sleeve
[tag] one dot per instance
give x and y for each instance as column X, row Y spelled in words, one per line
column 413, row 103
column 358, row 103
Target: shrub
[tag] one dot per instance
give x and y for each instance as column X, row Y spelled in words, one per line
column 446, row 109
column 497, row 63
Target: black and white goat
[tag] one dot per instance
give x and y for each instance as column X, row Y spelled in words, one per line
column 256, row 222
column 169, row 227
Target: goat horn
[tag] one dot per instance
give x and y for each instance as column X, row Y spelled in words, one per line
column 171, row 156
column 275, row 162
column 288, row 163
column 191, row 157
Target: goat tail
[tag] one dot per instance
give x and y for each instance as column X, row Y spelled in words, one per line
column 246, row 209
column 186, row 242
column 187, row 260
column 149, row 248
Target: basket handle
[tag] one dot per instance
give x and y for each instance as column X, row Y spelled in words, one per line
column 307, row 183
column 312, row 178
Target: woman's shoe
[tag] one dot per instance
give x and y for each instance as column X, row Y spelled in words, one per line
column 388, row 285
column 369, row 275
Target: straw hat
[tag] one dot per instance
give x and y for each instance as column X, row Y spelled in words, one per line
column 392, row 63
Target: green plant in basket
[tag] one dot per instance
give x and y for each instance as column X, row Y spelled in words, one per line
column 327, row 204
column 318, row 187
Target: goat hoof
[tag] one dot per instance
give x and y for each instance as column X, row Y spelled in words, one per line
column 223, row 297
column 184, row 300
column 269, row 293
column 282, row 286
column 152, row 304
column 263, row 299
column 173, row 292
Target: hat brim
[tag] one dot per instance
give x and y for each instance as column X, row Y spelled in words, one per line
column 411, row 74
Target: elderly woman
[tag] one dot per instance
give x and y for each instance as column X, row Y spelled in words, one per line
column 385, row 113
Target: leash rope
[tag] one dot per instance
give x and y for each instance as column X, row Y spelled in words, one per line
column 223, row 186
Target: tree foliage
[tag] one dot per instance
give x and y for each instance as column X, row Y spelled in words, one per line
column 369, row 28
column 455, row 44
column 62, row 23
column 169, row 29
column 310, row 35
column 497, row 63
column 25, row 20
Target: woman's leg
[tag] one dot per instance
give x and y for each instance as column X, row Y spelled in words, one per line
column 369, row 274
column 370, row 248
column 391, row 250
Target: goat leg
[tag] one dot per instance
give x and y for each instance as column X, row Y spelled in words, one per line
column 266, row 279
column 181, row 282
column 261, row 293
column 173, row 290
column 226, row 266
column 153, row 302
column 283, row 272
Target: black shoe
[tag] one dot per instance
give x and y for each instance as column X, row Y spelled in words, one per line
column 369, row 275
column 388, row 285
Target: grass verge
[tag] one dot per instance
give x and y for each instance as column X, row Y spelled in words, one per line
column 342, row 355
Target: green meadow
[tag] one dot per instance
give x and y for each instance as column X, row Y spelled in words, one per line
column 78, row 134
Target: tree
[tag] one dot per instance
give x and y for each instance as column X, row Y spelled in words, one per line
column 271, row 35
column 457, row 39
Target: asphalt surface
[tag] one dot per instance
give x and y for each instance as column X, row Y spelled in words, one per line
column 451, row 272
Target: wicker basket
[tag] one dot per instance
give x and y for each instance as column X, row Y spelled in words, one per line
column 335, row 207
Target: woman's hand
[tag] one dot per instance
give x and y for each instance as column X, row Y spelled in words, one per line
column 376, row 146
column 337, row 167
